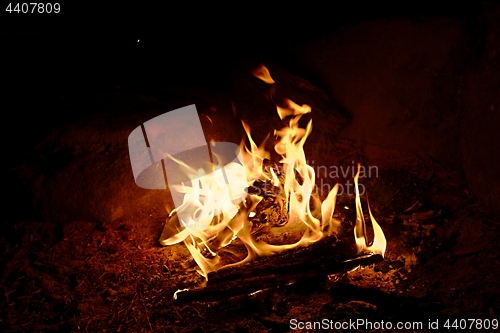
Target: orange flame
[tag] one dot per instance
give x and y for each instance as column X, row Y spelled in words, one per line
column 379, row 242
column 215, row 219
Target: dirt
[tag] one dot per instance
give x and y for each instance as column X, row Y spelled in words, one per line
column 442, row 261
column 80, row 239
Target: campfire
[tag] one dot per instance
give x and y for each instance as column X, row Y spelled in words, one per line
column 281, row 215
column 268, row 207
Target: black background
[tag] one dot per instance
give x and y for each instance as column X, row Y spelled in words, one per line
column 50, row 61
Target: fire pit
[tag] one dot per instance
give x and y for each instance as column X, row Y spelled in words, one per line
column 370, row 207
column 277, row 202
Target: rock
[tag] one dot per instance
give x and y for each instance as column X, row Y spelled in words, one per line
column 81, row 170
column 397, row 77
column 427, row 87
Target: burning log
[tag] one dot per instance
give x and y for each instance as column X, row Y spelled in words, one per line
column 329, row 256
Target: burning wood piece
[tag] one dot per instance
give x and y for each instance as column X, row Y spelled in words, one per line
column 263, row 189
column 320, row 259
column 270, row 211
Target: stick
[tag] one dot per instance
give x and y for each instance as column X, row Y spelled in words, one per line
column 323, row 258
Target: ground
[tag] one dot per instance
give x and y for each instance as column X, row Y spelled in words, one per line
column 414, row 97
column 441, row 262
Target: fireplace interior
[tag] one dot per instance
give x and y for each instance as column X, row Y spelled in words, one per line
column 410, row 95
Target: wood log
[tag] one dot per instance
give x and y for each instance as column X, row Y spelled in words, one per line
column 328, row 256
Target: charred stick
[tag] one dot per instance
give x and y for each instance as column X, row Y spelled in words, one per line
column 319, row 259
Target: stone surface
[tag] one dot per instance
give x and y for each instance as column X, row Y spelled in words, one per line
column 398, row 80
column 427, row 86
column 82, row 171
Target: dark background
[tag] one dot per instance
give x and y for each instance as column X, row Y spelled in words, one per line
column 48, row 59
column 69, row 82
column 52, row 62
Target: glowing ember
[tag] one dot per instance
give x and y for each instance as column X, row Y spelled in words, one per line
column 216, row 207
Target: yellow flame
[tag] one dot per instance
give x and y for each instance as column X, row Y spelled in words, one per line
column 379, row 242
column 327, row 208
column 263, row 73
column 214, row 220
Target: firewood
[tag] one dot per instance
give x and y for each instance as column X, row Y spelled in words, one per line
column 328, row 256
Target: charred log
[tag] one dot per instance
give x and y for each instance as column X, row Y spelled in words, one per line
column 320, row 259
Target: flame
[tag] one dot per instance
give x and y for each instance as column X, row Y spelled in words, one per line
column 215, row 211
column 263, row 73
column 379, row 242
